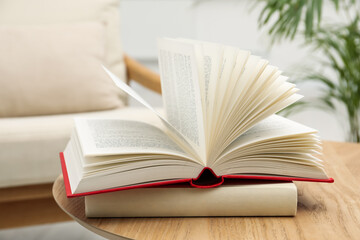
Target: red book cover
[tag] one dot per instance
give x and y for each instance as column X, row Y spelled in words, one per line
column 206, row 179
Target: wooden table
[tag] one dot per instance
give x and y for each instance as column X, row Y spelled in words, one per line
column 325, row 211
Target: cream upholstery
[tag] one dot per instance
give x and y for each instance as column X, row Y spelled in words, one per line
column 30, row 146
column 37, row 12
column 54, row 69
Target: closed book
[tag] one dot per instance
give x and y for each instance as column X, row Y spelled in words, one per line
column 246, row 199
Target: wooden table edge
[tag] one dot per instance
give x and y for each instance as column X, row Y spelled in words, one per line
column 93, row 229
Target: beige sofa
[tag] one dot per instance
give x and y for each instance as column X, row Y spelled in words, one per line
column 30, row 143
column 30, row 146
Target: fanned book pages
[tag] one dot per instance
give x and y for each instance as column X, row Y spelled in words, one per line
column 219, row 124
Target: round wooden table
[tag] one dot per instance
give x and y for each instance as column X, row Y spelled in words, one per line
column 325, row 211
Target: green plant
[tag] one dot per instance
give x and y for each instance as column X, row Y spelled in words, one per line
column 289, row 14
column 339, row 44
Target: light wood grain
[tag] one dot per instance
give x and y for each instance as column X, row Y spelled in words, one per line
column 28, row 192
column 325, row 211
column 29, row 205
column 141, row 74
column 30, row 212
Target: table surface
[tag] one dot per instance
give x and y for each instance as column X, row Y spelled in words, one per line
column 325, row 211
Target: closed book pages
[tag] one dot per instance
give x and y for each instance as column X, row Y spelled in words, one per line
column 248, row 199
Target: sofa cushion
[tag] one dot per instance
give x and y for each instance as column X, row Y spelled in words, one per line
column 54, row 69
column 38, row 12
column 30, row 146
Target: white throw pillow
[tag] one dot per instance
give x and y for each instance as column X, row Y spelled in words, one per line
column 54, row 69
column 38, row 12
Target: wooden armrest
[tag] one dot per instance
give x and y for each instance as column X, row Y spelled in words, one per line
column 141, row 74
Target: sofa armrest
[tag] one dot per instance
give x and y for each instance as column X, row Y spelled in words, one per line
column 141, row 74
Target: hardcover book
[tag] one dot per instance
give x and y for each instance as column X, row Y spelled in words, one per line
column 233, row 198
column 219, row 124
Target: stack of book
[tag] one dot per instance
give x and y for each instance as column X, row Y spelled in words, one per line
column 220, row 151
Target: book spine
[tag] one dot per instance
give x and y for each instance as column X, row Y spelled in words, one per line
column 278, row 199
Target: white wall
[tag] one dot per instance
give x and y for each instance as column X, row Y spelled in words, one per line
column 223, row 21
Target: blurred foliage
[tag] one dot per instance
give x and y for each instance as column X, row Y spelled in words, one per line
column 287, row 15
column 339, row 45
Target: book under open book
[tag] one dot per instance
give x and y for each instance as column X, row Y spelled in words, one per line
column 220, row 123
column 233, row 198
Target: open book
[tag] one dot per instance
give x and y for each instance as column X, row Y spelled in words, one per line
column 219, row 124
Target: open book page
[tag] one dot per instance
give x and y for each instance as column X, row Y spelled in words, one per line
column 276, row 145
column 127, row 169
column 181, row 90
column 270, row 128
column 212, row 56
column 201, row 69
column 268, row 105
column 229, row 70
column 103, row 137
column 177, row 136
column 244, row 75
column 235, row 87
column 107, row 153
column 208, row 59
column 226, row 68
column 259, row 92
